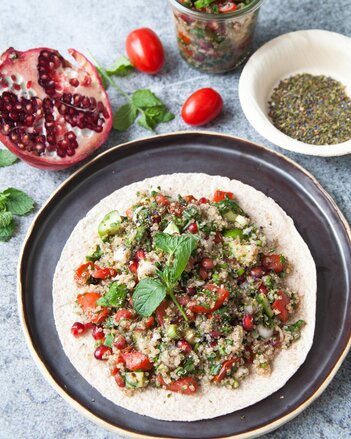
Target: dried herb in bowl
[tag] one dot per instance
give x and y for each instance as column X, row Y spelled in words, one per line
column 313, row 109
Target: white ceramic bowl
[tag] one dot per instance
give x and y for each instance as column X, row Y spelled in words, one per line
column 317, row 52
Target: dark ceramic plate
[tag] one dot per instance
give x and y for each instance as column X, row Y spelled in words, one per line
column 316, row 217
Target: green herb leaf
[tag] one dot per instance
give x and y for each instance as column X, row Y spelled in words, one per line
column 102, row 77
column 17, row 201
column 227, row 205
column 109, row 340
column 148, row 295
column 115, row 296
column 124, row 117
column 94, row 255
column 7, row 158
column 152, row 116
column 7, row 232
column 203, row 3
column 121, row 67
column 5, row 219
column 145, row 99
column 179, row 248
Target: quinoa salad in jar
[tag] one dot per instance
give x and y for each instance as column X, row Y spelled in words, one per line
column 215, row 36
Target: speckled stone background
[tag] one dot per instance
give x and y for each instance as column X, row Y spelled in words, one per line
column 29, row 407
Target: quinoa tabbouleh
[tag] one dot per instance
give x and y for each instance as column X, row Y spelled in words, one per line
column 183, row 292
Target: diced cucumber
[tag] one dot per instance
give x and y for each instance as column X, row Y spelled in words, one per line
column 263, row 301
column 135, row 380
column 171, row 229
column 138, row 340
column 94, row 254
column 230, row 216
column 233, row 233
column 172, row 331
column 110, row 224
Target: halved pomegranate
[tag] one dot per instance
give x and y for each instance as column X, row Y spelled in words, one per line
column 52, row 114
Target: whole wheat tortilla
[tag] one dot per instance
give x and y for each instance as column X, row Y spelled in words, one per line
column 212, row 401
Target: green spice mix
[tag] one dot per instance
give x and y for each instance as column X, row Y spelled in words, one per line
column 312, row 109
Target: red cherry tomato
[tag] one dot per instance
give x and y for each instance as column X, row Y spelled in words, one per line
column 274, row 262
column 87, row 302
column 222, row 295
column 227, row 7
column 280, row 305
column 145, row 50
column 136, row 361
column 202, row 106
column 221, row 195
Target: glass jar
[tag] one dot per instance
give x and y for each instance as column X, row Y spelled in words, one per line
column 215, row 43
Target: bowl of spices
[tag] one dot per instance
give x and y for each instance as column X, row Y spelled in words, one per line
column 296, row 92
column 215, row 36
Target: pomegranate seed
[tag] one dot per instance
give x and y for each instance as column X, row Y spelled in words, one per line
column 74, row 82
column 78, row 329
column 13, row 77
column 98, row 332
column 203, row 273
column 193, row 228
column 207, row 263
column 191, row 291
column 248, row 324
column 184, row 346
column 119, row 380
column 257, row 271
column 102, row 352
column 213, row 343
column 29, row 84
column 218, row 238
column 139, row 255
column 203, row 200
column 133, row 266
column 215, row 334
column 263, row 289
column 120, row 342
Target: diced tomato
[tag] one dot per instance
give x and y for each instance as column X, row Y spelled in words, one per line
column 248, row 322
column 140, row 254
column 87, row 302
column 184, row 346
column 222, row 295
column 89, row 269
column 263, row 289
column 161, row 199
column 193, row 228
column 120, row 342
column 280, row 305
column 103, row 273
column 227, row 7
column 161, row 312
column 184, row 38
column 124, row 314
column 133, row 266
column 250, row 356
column 136, row 361
column 221, row 195
column 186, row 386
column 226, row 366
column 129, row 212
column 149, row 322
column 274, row 262
column 189, row 198
column 119, row 380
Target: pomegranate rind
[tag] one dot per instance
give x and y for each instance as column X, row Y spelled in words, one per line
column 24, row 64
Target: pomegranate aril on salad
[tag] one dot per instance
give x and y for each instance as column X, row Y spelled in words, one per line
column 53, row 114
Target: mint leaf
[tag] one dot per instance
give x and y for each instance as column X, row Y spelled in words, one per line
column 102, row 77
column 121, row 67
column 17, row 201
column 179, row 248
column 115, row 296
column 152, row 116
column 147, row 296
column 5, row 219
column 7, row 232
column 145, row 99
column 124, row 117
column 203, row 3
column 6, row 158
column 227, row 205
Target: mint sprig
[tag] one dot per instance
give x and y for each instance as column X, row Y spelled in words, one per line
column 143, row 105
column 149, row 293
column 12, row 202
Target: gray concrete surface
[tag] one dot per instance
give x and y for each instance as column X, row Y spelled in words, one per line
column 29, row 407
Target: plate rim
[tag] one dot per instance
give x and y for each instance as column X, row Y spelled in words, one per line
column 77, row 405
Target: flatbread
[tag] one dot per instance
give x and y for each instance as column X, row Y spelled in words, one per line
column 212, row 401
